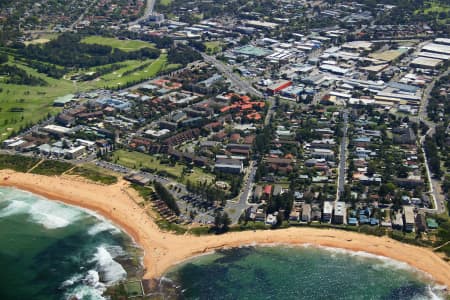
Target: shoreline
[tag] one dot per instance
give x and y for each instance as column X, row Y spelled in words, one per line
column 164, row 250
column 353, row 253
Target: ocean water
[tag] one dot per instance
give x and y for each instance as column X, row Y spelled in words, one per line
column 283, row 272
column 49, row 250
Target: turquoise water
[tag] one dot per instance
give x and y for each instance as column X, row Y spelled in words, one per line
column 296, row 273
column 49, row 250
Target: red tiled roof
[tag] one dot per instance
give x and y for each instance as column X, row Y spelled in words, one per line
column 254, row 116
column 245, row 98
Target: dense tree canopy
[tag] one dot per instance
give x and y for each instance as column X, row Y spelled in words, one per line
column 68, row 51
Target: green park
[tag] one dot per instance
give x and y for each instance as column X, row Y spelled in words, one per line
column 27, row 95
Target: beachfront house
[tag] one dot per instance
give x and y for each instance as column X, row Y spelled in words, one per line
column 340, row 213
column 408, row 215
column 327, row 211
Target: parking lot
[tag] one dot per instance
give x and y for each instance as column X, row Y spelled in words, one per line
column 204, row 212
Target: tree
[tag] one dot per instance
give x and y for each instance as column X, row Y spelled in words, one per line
column 221, row 222
column 217, row 220
column 226, row 221
column 371, row 168
column 279, row 220
column 165, row 196
column 402, row 171
column 387, row 188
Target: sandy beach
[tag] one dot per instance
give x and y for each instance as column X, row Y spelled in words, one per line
column 163, row 250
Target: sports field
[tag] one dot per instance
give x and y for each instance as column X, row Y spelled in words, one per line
column 213, row 47
column 138, row 160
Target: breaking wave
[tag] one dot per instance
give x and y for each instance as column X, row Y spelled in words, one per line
column 50, row 214
column 102, row 227
column 92, row 264
column 93, row 283
column 110, row 270
column 85, row 287
column 14, row 207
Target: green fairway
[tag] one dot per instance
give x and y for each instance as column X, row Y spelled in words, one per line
column 22, row 105
column 125, row 45
column 133, row 71
column 31, row 103
column 137, row 160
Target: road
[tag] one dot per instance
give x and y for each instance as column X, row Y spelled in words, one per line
column 71, row 26
column 342, row 157
column 236, row 208
column 236, row 81
column 270, row 112
column 434, row 185
column 149, row 8
column 423, row 114
column 81, row 17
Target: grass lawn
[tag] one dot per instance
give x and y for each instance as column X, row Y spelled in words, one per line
column 139, row 160
column 36, row 101
column 133, row 71
column 22, row 105
column 125, row 45
column 165, row 2
column 144, row 191
column 213, row 47
column 170, row 227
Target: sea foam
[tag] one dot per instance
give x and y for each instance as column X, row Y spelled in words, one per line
column 90, row 288
column 101, row 227
column 48, row 213
column 92, row 284
column 109, row 270
column 94, row 276
column 13, row 208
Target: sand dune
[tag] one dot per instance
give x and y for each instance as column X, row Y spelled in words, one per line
column 162, row 250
